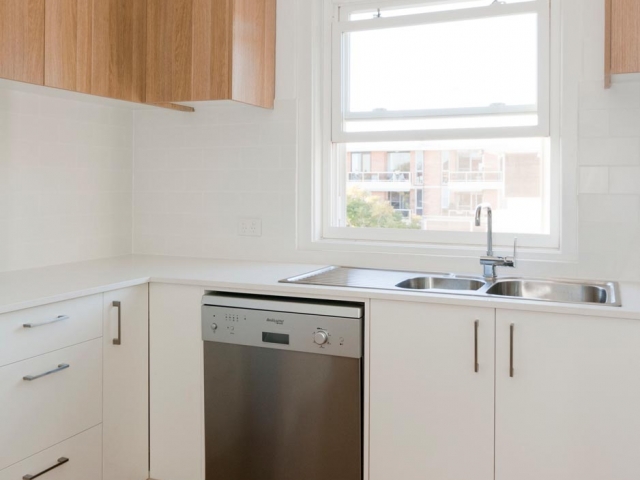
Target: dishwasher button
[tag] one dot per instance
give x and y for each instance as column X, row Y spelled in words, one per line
column 320, row 337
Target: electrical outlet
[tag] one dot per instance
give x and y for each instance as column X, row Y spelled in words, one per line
column 250, row 227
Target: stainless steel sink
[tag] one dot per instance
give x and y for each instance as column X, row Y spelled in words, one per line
column 441, row 283
column 556, row 291
column 559, row 291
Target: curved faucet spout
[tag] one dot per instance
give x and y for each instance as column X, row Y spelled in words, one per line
column 489, row 225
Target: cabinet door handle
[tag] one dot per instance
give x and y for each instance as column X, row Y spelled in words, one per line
column 59, row 318
column 61, row 461
column 511, row 331
column 476, row 365
column 30, row 378
column 118, row 341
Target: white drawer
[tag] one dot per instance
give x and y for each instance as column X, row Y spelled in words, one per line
column 17, row 342
column 84, row 454
column 42, row 412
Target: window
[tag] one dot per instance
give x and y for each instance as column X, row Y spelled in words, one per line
column 360, row 162
column 451, row 101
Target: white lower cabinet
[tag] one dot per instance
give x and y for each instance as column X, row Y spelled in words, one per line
column 431, row 412
column 571, row 410
column 176, row 393
column 455, row 393
column 49, row 398
column 77, row 458
column 78, row 412
column 126, row 384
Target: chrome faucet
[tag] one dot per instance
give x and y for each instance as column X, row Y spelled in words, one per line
column 490, row 261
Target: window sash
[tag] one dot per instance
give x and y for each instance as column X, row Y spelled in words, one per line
column 335, row 191
column 340, row 64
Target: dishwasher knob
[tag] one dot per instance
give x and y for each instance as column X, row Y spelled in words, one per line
column 214, row 327
column 320, row 337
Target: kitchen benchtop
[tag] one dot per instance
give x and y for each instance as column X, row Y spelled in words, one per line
column 29, row 288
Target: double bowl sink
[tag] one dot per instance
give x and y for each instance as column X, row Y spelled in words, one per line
column 561, row 291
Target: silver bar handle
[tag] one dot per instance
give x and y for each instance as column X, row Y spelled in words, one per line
column 59, row 318
column 118, row 341
column 476, row 365
column 61, row 461
column 511, row 332
column 62, row 366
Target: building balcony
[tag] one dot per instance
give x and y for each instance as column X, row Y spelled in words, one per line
column 380, row 181
column 473, row 181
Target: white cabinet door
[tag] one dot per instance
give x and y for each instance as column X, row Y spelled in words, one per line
column 126, row 384
column 77, row 458
column 571, row 409
column 431, row 413
column 177, row 398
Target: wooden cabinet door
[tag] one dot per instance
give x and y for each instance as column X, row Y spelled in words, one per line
column 570, row 410
column 68, row 27
column 211, row 50
column 118, row 67
column 431, row 412
column 22, row 40
column 126, row 384
column 624, row 29
column 170, row 50
column 177, row 383
column 97, row 47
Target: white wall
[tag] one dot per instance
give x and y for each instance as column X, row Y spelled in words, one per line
column 65, row 179
column 196, row 174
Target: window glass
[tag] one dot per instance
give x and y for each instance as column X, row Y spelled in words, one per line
column 481, row 63
column 512, row 175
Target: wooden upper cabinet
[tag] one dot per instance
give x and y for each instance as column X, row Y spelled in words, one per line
column 96, row 47
column 211, row 50
column 622, row 37
column 22, row 40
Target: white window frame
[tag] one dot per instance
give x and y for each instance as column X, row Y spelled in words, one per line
column 339, row 63
column 315, row 147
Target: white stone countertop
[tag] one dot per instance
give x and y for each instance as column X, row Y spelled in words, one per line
column 29, row 288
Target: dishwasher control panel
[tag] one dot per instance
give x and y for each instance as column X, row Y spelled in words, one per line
column 295, row 331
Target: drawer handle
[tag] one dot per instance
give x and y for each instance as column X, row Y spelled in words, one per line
column 118, row 341
column 62, row 366
column 61, row 461
column 59, row 318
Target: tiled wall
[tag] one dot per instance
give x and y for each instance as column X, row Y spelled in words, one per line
column 65, row 179
column 197, row 174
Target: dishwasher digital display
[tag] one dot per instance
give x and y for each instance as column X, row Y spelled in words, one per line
column 280, row 338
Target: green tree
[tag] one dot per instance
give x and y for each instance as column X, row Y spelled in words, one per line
column 366, row 210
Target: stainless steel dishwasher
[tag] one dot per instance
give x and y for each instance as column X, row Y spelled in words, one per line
column 282, row 387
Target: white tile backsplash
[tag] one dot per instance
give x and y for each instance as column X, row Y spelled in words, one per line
column 594, row 180
column 625, row 180
column 65, row 180
column 189, row 198
column 624, row 122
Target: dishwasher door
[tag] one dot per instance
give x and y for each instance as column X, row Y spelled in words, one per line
column 273, row 414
